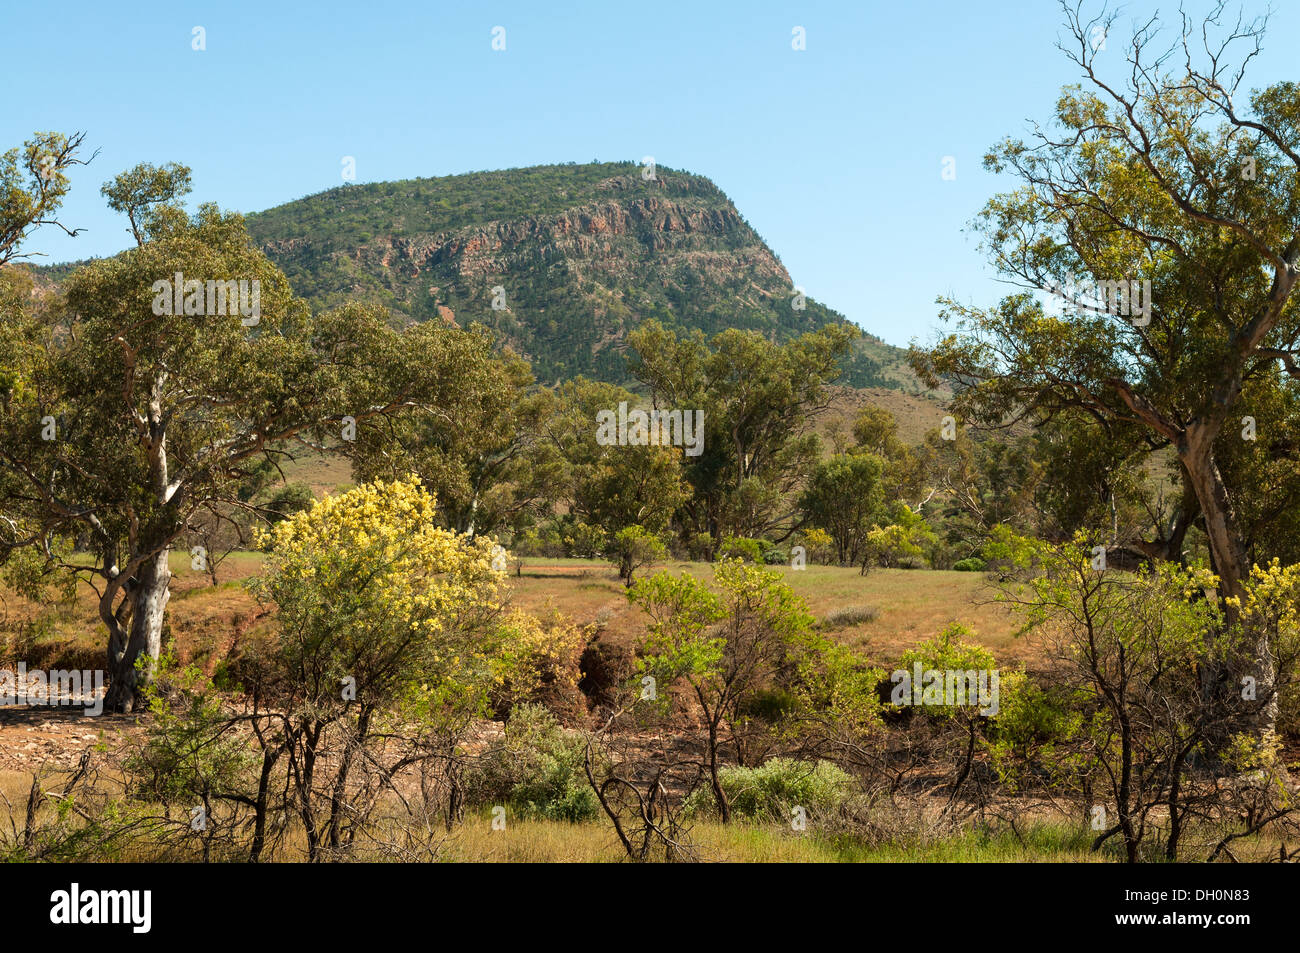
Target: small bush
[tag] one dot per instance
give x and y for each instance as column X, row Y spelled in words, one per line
column 537, row 770
column 819, row 545
column 741, row 547
column 632, row 548
column 582, row 541
column 770, row 705
column 545, row 541
column 849, row 615
column 699, row 546
column 770, row 791
column 902, row 544
column 970, row 564
column 289, row 499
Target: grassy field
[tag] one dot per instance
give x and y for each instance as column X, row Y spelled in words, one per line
column 915, row 414
column 907, row 606
column 542, row 841
column 741, row 842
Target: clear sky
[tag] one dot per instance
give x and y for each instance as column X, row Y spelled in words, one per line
column 832, row 153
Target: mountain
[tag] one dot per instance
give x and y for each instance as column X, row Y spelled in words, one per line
column 578, row 255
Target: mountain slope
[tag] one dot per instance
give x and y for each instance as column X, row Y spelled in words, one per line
column 581, row 254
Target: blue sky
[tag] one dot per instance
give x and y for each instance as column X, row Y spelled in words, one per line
column 832, row 153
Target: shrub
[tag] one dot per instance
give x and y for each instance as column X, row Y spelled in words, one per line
column 970, row 564
column 543, row 657
column 700, row 546
column 939, row 554
column 527, row 543
column 903, row 543
column 819, row 544
column 741, row 547
column 537, row 770
column 583, row 541
column 770, row 705
column 634, row 547
column 849, row 615
column 770, row 791
column 290, row 499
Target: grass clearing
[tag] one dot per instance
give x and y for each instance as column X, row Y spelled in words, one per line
column 881, row 614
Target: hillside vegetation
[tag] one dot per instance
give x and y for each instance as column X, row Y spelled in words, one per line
column 582, row 253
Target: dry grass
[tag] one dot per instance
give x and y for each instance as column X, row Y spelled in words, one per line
column 911, row 606
column 916, row 414
column 325, row 473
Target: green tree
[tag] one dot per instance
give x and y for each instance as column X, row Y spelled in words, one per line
column 759, row 399
column 614, row 486
column 905, row 538
column 726, row 645
column 144, row 190
column 124, row 427
column 479, row 449
column 1140, row 729
column 33, row 184
column 633, row 547
column 1169, row 175
column 843, row 497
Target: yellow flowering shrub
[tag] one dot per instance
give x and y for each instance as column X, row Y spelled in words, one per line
column 1271, row 608
column 370, row 593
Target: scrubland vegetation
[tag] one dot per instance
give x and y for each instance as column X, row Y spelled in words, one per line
column 364, row 589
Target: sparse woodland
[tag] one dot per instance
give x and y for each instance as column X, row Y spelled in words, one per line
column 490, row 633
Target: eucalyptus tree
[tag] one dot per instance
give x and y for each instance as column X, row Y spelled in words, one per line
column 136, row 410
column 33, row 184
column 1172, row 193
column 759, row 401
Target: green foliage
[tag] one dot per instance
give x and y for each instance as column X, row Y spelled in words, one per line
column 682, row 609
column 289, row 499
column 844, row 495
column 1145, row 184
column 188, row 752
column 759, row 398
column 1032, row 721
column 612, row 486
column 536, row 770
column 772, row 790
column 903, row 542
column 739, row 547
column 33, row 184
column 970, row 564
column 634, row 547
column 744, row 645
column 476, row 444
column 147, row 195
column 952, row 651
column 581, row 540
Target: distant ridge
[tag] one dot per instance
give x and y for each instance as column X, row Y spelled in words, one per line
column 582, row 253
